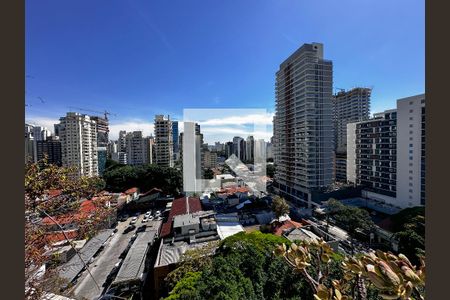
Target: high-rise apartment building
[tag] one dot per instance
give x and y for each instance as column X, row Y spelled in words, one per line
column 137, row 148
column 239, row 147
column 122, row 141
column 348, row 107
column 372, row 153
column 102, row 131
column 120, row 157
column 229, row 149
column 303, row 124
column 56, row 127
column 176, row 145
column 411, row 151
column 386, row 154
column 250, row 148
column 163, row 141
column 209, row 159
column 30, row 144
column 51, row 148
column 78, row 135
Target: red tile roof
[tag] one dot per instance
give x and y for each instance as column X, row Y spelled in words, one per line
column 180, row 207
column 131, row 191
column 54, row 193
column 288, row 224
column 232, row 190
column 86, row 208
column 59, row 236
column 152, row 191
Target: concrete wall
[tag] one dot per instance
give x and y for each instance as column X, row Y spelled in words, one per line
column 351, row 152
column 409, row 119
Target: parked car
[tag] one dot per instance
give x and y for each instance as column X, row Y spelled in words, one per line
column 133, row 220
column 144, row 220
column 129, row 229
column 141, row 228
column 157, row 213
column 148, row 214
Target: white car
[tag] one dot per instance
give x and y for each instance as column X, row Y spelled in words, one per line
column 148, row 214
column 158, row 213
column 133, row 220
column 144, row 220
column 150, row 218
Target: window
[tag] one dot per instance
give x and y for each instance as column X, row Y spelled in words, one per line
column 411, row 132
column 410, row 151
column 411, row 102
column 410, row 184
column 410, row 190
column 410, row 125
column 410, row 171
column 410, row 138
column 411, row 110
column 410, row 118
column 410, row 164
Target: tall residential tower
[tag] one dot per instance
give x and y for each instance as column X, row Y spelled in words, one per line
column 78, row 137
column 163, row 141
column 303, row 124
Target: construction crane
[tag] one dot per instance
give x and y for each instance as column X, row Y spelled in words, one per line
column 105, row 113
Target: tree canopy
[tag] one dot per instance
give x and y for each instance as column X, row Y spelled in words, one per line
column 279, row 206
column 145, row 177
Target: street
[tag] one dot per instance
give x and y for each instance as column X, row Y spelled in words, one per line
column 102, row 265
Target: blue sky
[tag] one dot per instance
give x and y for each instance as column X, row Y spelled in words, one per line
column 141, row 58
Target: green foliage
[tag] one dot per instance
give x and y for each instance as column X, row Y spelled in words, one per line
column 192, row 261
column 409, row 228
column 405, row 216
column 279, row 207
column 245, row 268
column 146, row 177
column 186, row 287
column 350, row 217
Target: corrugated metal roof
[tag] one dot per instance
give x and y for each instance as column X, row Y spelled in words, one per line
column 74, row 266
column 134, row 263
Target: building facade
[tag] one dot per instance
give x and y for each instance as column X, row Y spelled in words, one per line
column 176, row 145
column 303, row 124
column 137, row 148
column 374, row 150
column 250, row 148
column 411, row 151
column 51, row 148
column 239, row 148
column 163, row 141
column 122, row 141
column 348, row 107
column 102, row 131
column 78, row 135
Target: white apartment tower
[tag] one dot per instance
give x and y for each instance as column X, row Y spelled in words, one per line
column 163, row 141
column 303, row 124
column 137, row 149
column 78, row 137
column 411, row 151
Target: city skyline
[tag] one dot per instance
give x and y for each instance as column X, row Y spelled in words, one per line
column 137, row 63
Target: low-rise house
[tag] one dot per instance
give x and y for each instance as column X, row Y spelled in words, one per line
column 133, row 194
